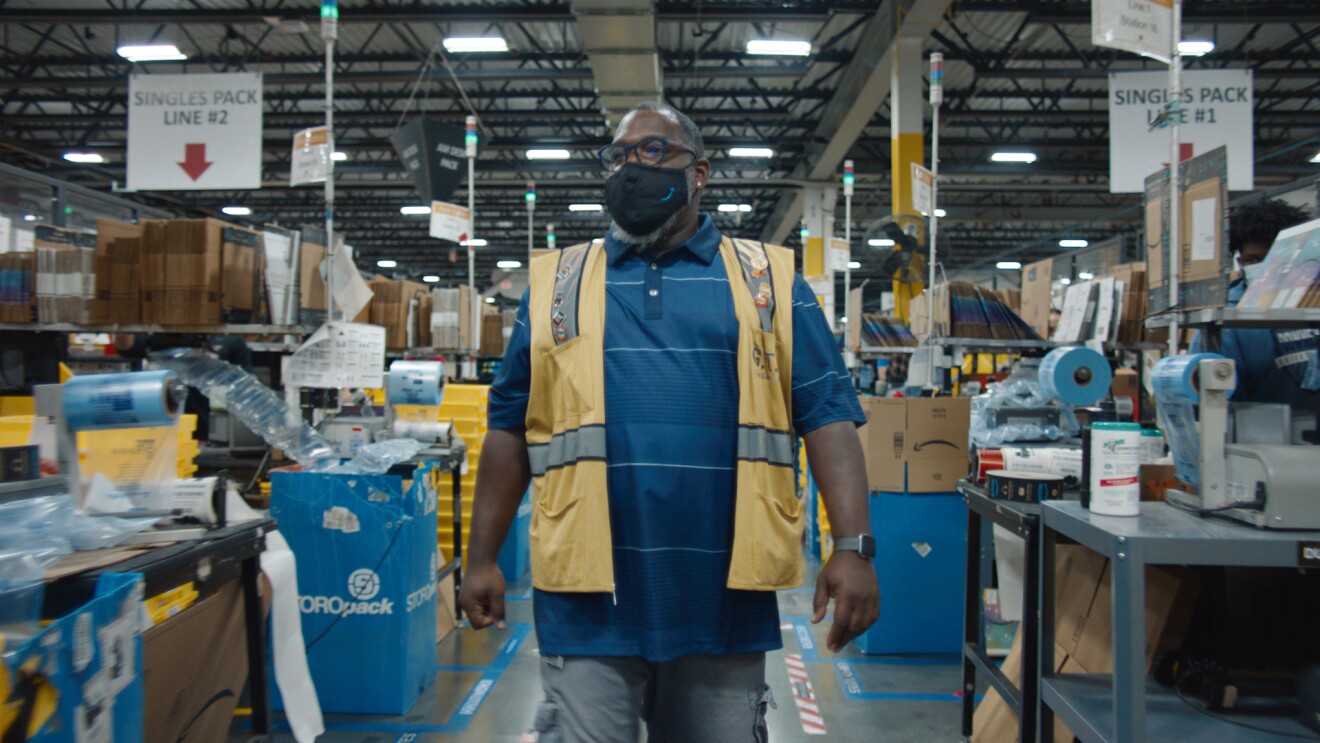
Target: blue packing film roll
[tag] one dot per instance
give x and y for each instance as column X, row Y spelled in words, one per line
column 1176, row 396
column 132, row 400
column 415, row 383
column 1076, row 375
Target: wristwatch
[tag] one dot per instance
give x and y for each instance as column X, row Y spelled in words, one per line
column 862, row 544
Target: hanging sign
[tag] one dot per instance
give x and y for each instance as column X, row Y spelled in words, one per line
column 1215, row 110
column 311, row 162
column 449, row 221
column 1140, row 26
column 923, row 187
column 194, row 132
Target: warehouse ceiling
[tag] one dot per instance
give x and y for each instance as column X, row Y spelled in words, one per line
column 1019, row 75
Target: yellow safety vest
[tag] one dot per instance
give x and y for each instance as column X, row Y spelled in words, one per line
column 571, row 546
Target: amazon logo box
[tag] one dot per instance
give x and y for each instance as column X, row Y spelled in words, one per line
column 915, row 445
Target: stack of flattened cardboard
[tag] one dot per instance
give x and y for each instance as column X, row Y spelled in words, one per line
column 107, row 232
column 1130, row 316
column 124, row 303
column 1084, row 632
column 1205, row 260
column 451, row 319
column 311, row 282
column 399, row 307
column 492, row 333
column 242, row 298
column 1036, row 301
column 17, row 286
column 66, row 279
column 184, row 271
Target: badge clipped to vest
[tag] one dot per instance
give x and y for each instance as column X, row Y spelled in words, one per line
column 759, row 264
column 763, row 294
column 561, row 332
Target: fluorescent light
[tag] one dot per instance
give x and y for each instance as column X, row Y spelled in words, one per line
column 29, row 217
column 1008, row 265
column 236, row 211
column 508, row 264
column 854, row 264
column 843, row 319
column 745, row 208
column 387, row 264
column 1073, row 243
column 1195, row 47
column 941, row 213
column 83, row 157
column 880, row 242
column 431, row 279
column 339, row 157
column 1065, row 282
column 151, row 53
column 1316, row 159
column 462, row 44
column 548, row 154
column 779, row 47
column 479, row 242
column 490, row 300
column 751, row 152
column 1085, row 275
column 733, row 208
column 585, row 208
column 1014, row 157
column 414, row 210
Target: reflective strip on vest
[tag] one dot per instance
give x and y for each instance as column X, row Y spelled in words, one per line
column 763, row 445
column 567, row 448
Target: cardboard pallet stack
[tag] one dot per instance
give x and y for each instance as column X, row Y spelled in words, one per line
column 404, row 309
column 65, row 277
column 199, row 271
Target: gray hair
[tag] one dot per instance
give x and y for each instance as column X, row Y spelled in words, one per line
column 691, row 134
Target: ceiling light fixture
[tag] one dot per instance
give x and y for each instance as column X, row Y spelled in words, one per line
column 490, row 300
column 779, row 47
column 508, row 264
column 1316, row 159
column 387, row 264
column 151, row 53
column 1008, row 265
column 83, row 157
column 1014, row 157
column 476, row 44
column 1086, row 276
column 1065, row 282
column 548, row 154
column 880, row 242
column 236, row 211
column 751, row 152
column 479, row 242
column 854, row 264
column 585, row 208
column 1073, row 243
column 941, row 213
column 339, row 157
column 1195, row 47
column 412, row 211
column 431, row 279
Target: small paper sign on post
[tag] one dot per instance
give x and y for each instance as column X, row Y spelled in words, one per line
column 339, row 354
column 840, row 254
column 311, row 156
column 923, row 182
column 449, row 221
column 1139, row 26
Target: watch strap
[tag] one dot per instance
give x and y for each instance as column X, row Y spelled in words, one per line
column 856, row 544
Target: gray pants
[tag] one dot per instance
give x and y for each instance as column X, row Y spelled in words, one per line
column 694, row 699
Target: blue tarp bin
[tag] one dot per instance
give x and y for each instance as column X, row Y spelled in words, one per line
column 366, row 551
column 80, row 678
column 921, row 563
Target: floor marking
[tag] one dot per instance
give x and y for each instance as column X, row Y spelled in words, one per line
column 804, row 697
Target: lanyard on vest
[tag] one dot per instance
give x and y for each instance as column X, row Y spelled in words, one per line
column 568, row 284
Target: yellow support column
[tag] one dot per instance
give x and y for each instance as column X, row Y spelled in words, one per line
column 908, row 145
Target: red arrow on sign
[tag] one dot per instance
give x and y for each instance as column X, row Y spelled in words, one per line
column 194, row 160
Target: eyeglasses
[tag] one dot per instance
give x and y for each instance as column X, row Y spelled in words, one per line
column 649, row 151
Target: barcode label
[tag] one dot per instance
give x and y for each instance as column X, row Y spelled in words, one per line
column 898, row 444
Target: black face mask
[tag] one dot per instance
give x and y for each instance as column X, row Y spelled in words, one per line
column 642, row 197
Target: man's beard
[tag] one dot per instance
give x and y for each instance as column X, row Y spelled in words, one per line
column 659, row 233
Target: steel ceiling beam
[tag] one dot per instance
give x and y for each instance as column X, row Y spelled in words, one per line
column 1246, row 13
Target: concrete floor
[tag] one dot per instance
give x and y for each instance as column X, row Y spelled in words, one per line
column 861, row 698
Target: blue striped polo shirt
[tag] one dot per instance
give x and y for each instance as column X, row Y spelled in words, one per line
column 671, row 413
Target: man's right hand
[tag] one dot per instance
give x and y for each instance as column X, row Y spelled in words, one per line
column 482, row 596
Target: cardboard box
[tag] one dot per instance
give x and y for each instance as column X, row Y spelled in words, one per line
column 107, row 231
column 397, row 306
column 492, row 333
column 311, row 285
column 1037, row 281
column 446, row 608
column 242, row 298
column 124, row 305
column 1156, row 479
column 1156, row 232
column 1203, row 274
column 182, row 271
column 194, row 670
column 65, row 278
column 18, row 299
column 917, row 445
column 1131, row 315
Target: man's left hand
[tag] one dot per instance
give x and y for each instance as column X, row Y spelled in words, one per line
column 850, row 580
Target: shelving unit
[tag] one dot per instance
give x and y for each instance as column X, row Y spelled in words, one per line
column 1125, row 706
column 1241, row 317
column 217, row 329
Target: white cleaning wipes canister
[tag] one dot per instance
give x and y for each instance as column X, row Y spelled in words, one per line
column 1115, row 469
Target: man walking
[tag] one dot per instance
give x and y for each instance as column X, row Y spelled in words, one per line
column 652, row 391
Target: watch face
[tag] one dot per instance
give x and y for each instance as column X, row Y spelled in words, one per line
column 866, row 546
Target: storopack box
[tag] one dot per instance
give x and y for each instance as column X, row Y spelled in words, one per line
column 917, row 445
column 367, row 566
